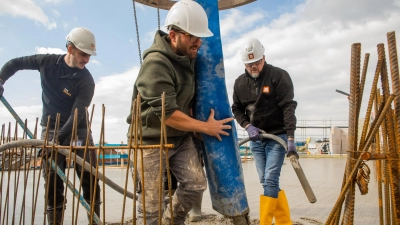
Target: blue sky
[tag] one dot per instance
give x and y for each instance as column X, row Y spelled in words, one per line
column 311, row 39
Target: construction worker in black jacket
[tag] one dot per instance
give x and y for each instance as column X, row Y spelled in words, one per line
column 263, row 101
column 66, row 85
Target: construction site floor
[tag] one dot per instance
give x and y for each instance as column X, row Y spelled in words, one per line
column 325, row 176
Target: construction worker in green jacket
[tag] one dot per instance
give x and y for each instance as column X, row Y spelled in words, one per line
column 168, row 67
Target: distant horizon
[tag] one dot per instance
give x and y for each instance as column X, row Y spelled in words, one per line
column 313, row 131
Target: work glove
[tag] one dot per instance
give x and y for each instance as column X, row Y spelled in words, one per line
column 1, row 88
column 254, row 133
column 291, row 149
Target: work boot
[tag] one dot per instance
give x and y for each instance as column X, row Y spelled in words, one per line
column 195, row 213
column 97, row 212
column 282, row 211
column 54, row 219
column 267, row 208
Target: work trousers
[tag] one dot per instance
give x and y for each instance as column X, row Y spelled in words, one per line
column 269, row 156
column 56, row 202
column 185, row 164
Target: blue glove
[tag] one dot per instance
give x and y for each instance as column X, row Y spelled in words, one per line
column 291, row 149
column 253, row 133
column 1, row 88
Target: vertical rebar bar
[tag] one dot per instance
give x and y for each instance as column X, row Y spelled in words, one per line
column 393, row 155
column 378, row 163
column 352, row 131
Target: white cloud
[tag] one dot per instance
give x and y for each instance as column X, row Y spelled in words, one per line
column 232, row 24
column 56, row 13
column 59, row 1
column 44, row 50
column 115, row 92
column 29, row 113
column 65, row 24
column 93, row 61
column 140, row 6
column 26, row 8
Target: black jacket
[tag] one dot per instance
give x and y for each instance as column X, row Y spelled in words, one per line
column 266, row 102
column 63, row 88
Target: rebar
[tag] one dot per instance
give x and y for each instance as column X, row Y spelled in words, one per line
column 379, row 139
column 8, row 208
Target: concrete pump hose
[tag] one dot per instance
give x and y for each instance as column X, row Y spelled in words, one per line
column 79, row 160
column 269, row 136
column 295, row 163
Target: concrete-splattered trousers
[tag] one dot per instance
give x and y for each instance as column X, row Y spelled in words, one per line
column 87, row 180
column 185, row 164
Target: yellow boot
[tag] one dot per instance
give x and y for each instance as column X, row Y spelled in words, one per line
column 267, row 208
column 282, row 211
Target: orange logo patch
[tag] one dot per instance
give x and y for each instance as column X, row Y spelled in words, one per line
column 251, row 56
column 265, row 89
column 67, row 92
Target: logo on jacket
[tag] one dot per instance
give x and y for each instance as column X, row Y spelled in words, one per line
column 251, row 56
column 265, row 89
column 66, row 92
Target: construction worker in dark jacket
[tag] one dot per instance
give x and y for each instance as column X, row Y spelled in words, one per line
column 263, row 101
column 66, row 85
column 168, row 67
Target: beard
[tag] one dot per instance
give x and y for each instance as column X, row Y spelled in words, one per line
column 254, row 75
column 181, row 49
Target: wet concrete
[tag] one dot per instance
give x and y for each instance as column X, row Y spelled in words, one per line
column 324, row 175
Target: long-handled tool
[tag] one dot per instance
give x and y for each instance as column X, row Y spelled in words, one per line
column 296, row 166
column 15, row 115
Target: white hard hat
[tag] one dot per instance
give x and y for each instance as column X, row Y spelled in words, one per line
column 252, row 51
column 189, row 16
column 83, row 39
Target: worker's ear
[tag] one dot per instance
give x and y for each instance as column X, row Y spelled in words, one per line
column 70, row 48
column 172, row 35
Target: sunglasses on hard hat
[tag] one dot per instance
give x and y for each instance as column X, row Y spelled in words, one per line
column 258, row 62
column 192, row 38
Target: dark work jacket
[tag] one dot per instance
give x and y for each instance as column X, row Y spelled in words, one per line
column 266, row 101
column 63, row 88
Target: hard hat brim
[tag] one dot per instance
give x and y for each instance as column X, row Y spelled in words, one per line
column 208, row 33
column 91, row 53
column 252, row 60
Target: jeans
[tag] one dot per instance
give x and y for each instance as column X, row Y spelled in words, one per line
column 269, row 155
column 56, row 202
column 185, row 164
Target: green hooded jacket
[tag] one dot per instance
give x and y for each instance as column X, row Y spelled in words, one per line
column 163, row 71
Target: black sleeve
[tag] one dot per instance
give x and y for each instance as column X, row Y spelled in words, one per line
column 285, row 96
column 22, row 63
column 238, row 109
